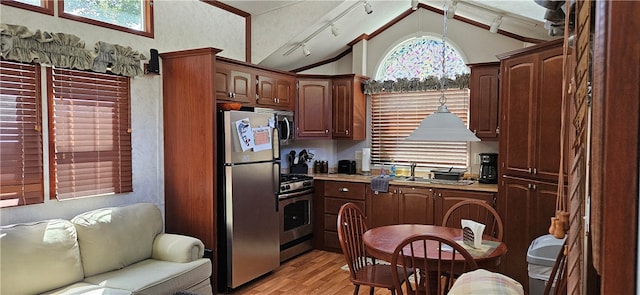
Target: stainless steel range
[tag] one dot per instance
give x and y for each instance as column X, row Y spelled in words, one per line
column 296, row 208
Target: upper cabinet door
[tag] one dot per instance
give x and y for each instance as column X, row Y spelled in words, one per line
column 517, row 97
column 275, row 90
column 483, row 104
column 530, row 110
column 342, row 108
column 233, row 83
column 313, row 113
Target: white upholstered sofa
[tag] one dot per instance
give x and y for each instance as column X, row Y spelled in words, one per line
column 118, row 250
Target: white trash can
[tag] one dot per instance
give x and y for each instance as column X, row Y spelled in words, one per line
column 541, row 257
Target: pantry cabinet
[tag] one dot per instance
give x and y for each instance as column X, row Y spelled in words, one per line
column 531, row 104
column 529, row 148
column 483, row 100
column 526, row 207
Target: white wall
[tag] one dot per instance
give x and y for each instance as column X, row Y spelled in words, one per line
column 199, row 25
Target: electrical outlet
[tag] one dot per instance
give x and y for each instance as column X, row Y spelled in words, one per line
column 358, row 155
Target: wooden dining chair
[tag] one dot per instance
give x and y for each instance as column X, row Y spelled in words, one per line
column 478, row 211
column 432, row 273
column 363, row 269
column 558, row 274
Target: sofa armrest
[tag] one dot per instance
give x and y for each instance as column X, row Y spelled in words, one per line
column 177, row 248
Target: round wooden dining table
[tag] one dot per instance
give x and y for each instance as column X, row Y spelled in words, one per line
column 382, row 241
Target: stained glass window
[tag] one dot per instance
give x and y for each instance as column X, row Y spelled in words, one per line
column 419, row 58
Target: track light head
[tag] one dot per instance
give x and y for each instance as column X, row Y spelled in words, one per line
column 451, row 10
column 334, row 30
column 495, row 25
column 305, row 50
column 414, row 4
column 367, row 7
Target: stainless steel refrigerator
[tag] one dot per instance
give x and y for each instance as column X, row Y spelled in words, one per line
column 249, row 175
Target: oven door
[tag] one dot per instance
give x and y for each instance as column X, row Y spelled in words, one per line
column 295, row 217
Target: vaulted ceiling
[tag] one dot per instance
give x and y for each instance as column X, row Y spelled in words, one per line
column 279, row 28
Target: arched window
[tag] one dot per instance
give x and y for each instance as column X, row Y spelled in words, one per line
column 420, row 57
column 396, row 114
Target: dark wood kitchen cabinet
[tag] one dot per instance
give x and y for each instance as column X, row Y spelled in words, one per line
column 234, row 83
column 526, row 207
column 348, row 108
column 483, row 100
column 331, row 107
column 446, row 198
column 189, row 120
column 530, row 108
column 313, row 109
column 423, row 205
column 334, row 194
column 275, row 90
column 529, row 148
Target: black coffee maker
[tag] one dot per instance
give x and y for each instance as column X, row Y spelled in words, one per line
column 488, row 168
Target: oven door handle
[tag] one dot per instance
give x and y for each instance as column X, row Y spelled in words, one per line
column 294, row 194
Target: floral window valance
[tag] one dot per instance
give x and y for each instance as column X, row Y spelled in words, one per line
column 416, row 84
column 68, row 51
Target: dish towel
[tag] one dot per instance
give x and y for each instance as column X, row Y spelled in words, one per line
column 380, row 184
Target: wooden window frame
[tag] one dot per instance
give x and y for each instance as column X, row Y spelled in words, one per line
column 26, row 184
column 148, row 20
column 46, row 7
column 86, row 133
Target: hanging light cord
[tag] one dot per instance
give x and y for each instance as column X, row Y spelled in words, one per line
column 443, row 99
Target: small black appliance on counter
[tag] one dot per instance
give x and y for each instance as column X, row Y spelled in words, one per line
column 347, row 167
column 488, row 168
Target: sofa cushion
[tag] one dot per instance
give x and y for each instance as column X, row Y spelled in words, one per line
column 155, row 276
column 115, row 237
column 87, row 289
column 38, row 257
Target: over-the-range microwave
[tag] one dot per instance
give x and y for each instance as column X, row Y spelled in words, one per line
column 285, row 124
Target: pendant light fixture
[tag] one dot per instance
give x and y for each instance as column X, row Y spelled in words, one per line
column 442, row 125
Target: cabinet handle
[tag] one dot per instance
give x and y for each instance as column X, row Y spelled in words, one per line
column 535, row 171
column 395, row 191
column 530, row 170
column 475, row 131
column 498, row 130
column 326, row 131
column 344, row 189
column 347, row 131
column 529, row 186
column 533, row 187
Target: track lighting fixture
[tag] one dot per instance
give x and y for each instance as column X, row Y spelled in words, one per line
column 414, row 4
column 367, row 7
column 305, row 50
column 495, row 25
column 334, row 30
column 451, row 12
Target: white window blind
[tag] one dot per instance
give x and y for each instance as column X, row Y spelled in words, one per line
column 91, row 135
column 21, row 168
column 396, row 115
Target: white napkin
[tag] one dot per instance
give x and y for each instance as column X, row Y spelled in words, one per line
column 472, row 233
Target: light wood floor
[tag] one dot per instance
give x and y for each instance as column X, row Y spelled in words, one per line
column 315, row 272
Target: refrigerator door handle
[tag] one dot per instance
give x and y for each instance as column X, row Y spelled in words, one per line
column 276, row 183
column 275, row 141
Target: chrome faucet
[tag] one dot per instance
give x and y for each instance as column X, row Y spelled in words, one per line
column 413, row 170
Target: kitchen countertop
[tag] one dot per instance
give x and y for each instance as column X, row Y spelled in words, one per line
column 479, row 187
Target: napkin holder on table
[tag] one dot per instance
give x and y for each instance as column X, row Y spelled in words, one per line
column 472, row 233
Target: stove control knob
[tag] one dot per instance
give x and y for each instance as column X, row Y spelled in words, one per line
column 306, row 183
